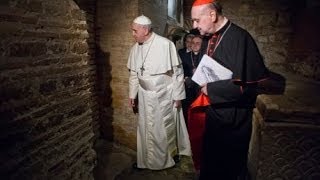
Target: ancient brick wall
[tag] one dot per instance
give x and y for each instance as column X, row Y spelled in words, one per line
column 48, row 108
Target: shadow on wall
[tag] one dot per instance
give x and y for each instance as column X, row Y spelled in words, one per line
column 104, row 99
column 104, row 93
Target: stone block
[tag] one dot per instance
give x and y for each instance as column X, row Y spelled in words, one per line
column 286, row 129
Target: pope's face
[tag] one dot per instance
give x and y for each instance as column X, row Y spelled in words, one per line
column 203, row 20
column 138, row 32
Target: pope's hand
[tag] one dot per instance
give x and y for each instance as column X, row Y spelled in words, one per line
column 177, row 103
column 131, row 102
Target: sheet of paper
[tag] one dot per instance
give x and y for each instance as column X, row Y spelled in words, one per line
column 209, row 70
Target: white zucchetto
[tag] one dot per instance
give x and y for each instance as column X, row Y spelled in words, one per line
column 142, row 20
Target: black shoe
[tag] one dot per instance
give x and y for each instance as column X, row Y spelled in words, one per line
column 135, row 166
column 176, row 159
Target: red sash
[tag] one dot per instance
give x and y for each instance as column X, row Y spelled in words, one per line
column 196, row 126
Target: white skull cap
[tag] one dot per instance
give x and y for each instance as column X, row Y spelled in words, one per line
column 142, row 20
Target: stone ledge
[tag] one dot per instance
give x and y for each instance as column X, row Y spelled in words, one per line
column 281, row 108
column 298, row 103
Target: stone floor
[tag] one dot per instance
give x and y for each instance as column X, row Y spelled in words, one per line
column 114, row 163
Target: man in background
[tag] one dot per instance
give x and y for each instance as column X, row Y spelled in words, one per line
column 190, row 63
column 195, row 127
column 184, row 53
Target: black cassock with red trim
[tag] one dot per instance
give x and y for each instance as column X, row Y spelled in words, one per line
column 228, row 115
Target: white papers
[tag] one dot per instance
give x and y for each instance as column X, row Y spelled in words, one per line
column 209, row 70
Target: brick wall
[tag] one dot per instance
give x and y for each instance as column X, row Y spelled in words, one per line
column 48, row 108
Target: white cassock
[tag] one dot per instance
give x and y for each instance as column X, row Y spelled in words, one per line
column 161, row 131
